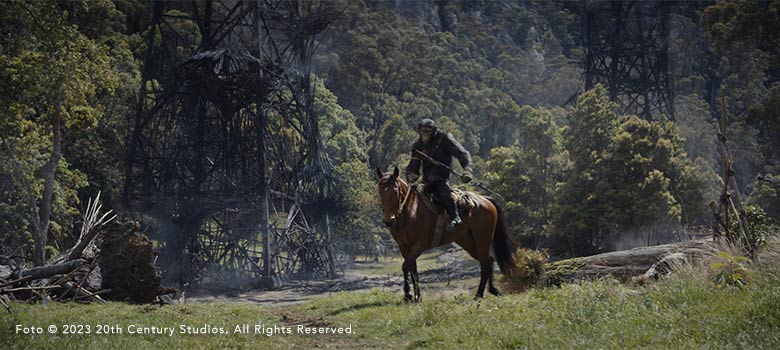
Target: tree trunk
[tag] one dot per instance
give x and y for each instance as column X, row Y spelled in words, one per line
column 262, row 181
column 628, row 263
column 51, row 270
column 49, row 170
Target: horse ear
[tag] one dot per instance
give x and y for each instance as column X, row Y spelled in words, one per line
column 379, row 173
column 396, row 172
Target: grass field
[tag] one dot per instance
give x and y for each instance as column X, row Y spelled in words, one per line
column 392, row 266
column 683, row 312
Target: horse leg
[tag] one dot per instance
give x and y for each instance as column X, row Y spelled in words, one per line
column 416, row 283
column 407, row 296
column 469, row 244
column 410, row 269
column 491, row 288
column 483, row 241
column 485, row 270
column 410, row 266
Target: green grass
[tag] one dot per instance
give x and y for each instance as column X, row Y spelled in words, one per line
column 679, row 313
column 124, row 315
column 392, row 266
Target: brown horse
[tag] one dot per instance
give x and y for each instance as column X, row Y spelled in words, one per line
column 412, row 225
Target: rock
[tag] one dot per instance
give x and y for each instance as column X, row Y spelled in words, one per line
column 6, row 272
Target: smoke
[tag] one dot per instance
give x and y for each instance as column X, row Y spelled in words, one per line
column 648, row 235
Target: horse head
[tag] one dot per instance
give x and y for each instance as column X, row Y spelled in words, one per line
column 391, row 191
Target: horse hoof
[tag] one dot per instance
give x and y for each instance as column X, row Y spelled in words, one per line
column 408, row 298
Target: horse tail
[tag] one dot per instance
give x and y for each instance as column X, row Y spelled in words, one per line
column 503, row 245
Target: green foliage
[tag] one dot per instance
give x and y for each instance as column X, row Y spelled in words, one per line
column 526, row 173
column 627, row 173
column 761, row 226
column 463, row 74
column 745, row 36
column 590, row 129
column 697, row 129
column 579, row 211
column 53, row 77
column 767, row 183
column 357, row 213
column 767, row 195
column 730, row 271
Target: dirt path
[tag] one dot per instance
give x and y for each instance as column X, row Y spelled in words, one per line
column 442, row 272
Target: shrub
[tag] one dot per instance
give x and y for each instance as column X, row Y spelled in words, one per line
column 530, row 269
column 731, row 270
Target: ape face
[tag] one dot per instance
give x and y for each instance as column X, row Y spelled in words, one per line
column 425, row 134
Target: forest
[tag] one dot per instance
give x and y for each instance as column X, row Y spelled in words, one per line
column 223, row 166
column 604, row 125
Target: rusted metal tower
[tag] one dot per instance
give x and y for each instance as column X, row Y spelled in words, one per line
column 626, row 50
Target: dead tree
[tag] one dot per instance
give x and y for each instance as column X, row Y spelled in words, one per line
column 110, row 259
column 742, row 235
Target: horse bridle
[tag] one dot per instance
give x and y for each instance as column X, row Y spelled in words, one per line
column 401, row 204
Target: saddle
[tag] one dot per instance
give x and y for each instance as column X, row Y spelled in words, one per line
column 464, row 202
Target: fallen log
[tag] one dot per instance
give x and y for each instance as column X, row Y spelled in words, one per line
column 20, row 289
column 51, row 270
column 78, row 292
column 16, row 281
column 95, row 294
column 78, row 285
column 626, row 264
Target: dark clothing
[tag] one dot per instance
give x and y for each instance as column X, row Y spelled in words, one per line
column 441, row 147
column 441, row 196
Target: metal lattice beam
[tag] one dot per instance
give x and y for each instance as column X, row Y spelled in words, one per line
column 627, row 51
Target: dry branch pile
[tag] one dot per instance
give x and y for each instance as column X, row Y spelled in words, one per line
column 111, row 260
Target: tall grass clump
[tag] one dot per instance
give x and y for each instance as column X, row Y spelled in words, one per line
column 530, row 270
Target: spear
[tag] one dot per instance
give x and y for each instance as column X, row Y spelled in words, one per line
column 473, row 181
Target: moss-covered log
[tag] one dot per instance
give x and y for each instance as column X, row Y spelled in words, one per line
column 625, row 264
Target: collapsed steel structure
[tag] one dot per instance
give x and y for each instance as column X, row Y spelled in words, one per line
column 207, row 169
column 626, row 50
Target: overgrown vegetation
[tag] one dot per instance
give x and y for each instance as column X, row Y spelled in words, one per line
column 686, row 311
column 504, row 77
column 530, row 272
column 730, row 271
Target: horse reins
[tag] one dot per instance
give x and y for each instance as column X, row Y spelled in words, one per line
column 401, row 203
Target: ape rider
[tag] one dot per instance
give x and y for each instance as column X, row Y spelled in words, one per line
column 440, row 146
